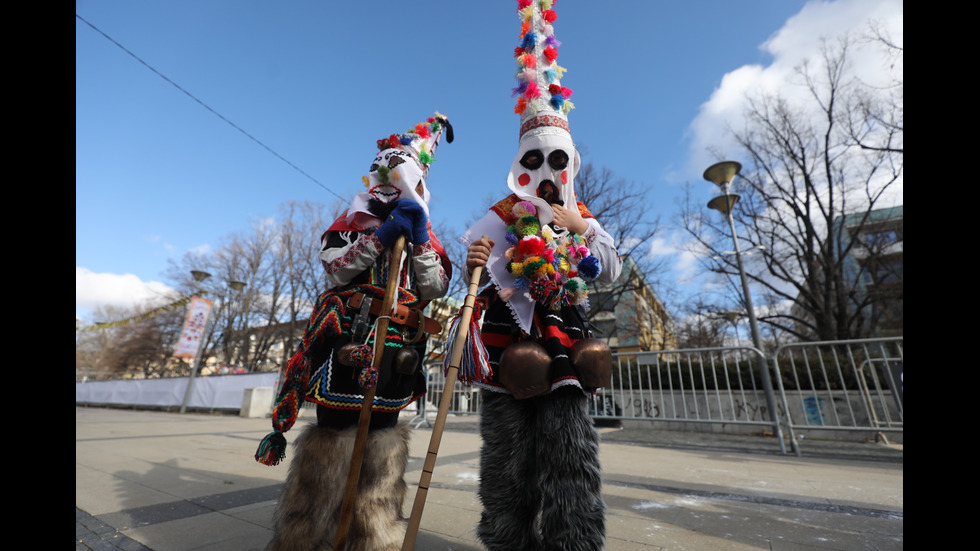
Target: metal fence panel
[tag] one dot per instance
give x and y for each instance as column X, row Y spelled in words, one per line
column 851, row 385
column 833, row 386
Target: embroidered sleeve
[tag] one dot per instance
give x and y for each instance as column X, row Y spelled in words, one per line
column 602, row 245
column 430, row 276
column 345, row 254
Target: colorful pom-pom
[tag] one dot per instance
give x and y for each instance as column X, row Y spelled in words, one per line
column 527, row 226
column 549, row 15
column 368, row 378
column 531, row 245
column 530, row 39
column 577, row 290
column 548, row 292
column 520, row 106
column 567, row 106
column 423, row 131
column 551, row 54
column 521, row 4
column 528, row 60
column 521, row 88
column 532, row 90
column 522, row 283
column 524, row 208
column 589, row 268
column 362, row 356
column 550, row 40
column 426, row 158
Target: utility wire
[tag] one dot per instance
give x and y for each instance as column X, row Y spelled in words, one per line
column 206, row 106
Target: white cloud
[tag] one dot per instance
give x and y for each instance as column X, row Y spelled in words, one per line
column 799, row 39
column 93, row 290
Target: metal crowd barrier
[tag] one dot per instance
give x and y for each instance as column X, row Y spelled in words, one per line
column 850, row 386
column 821, row 386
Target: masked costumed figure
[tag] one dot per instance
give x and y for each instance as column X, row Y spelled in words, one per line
column 334, row 366
column 540, row 477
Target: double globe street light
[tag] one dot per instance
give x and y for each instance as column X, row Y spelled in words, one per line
column 722, row 174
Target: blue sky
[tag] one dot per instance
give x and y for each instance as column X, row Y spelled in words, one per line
column 158, row 174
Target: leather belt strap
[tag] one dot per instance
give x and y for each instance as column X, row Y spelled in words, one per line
column 402, row 316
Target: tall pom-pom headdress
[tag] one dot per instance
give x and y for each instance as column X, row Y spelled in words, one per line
column 542, row 102
column 401, row 162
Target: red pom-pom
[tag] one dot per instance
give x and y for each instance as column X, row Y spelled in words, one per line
column 549, row 15
column 551, row 54
column 423, row 131
column 521, row 4
column 518, row 51
column 520, row 107
column 532, row 90
column 554, row 89
column 531, row 246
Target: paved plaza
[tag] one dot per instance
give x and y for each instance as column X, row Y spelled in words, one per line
column 163, row 481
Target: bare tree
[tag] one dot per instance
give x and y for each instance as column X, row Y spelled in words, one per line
column 818, row 174
column 622, row 207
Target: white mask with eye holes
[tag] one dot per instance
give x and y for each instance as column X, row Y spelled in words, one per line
column 403, row 181
column 544, row 172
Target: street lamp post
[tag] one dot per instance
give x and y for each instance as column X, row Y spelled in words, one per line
column 722, row 174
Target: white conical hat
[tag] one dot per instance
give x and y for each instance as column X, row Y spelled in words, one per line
column 387, row 181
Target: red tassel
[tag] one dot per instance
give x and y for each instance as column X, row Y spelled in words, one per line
column 521, row 105
column 549, row 15
column 532, row 90
column 551, row 54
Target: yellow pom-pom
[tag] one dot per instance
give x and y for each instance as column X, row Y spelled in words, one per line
column 547, row 234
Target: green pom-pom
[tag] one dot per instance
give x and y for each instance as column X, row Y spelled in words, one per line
column 425, row 158
column 528, row 225
column 272, row 449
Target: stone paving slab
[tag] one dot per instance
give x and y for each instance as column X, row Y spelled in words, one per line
column 159, row 481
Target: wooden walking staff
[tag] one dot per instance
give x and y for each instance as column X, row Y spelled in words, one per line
column 364, row 421
column 459, row 345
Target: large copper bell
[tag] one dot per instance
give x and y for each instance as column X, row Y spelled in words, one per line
column 343, row 354
column 406, row 361
column 592, row 359
column 524, row 368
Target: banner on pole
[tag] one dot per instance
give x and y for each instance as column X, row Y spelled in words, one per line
column 194, row 326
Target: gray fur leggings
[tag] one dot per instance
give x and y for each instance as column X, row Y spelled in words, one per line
column 540, row 456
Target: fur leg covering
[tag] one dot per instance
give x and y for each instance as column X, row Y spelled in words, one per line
column 573, row 513
column 309, row 509
column 508, row 474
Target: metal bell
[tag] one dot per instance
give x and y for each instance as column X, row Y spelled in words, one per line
column 524, row 369
column 406, row 361
column 592, row 359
